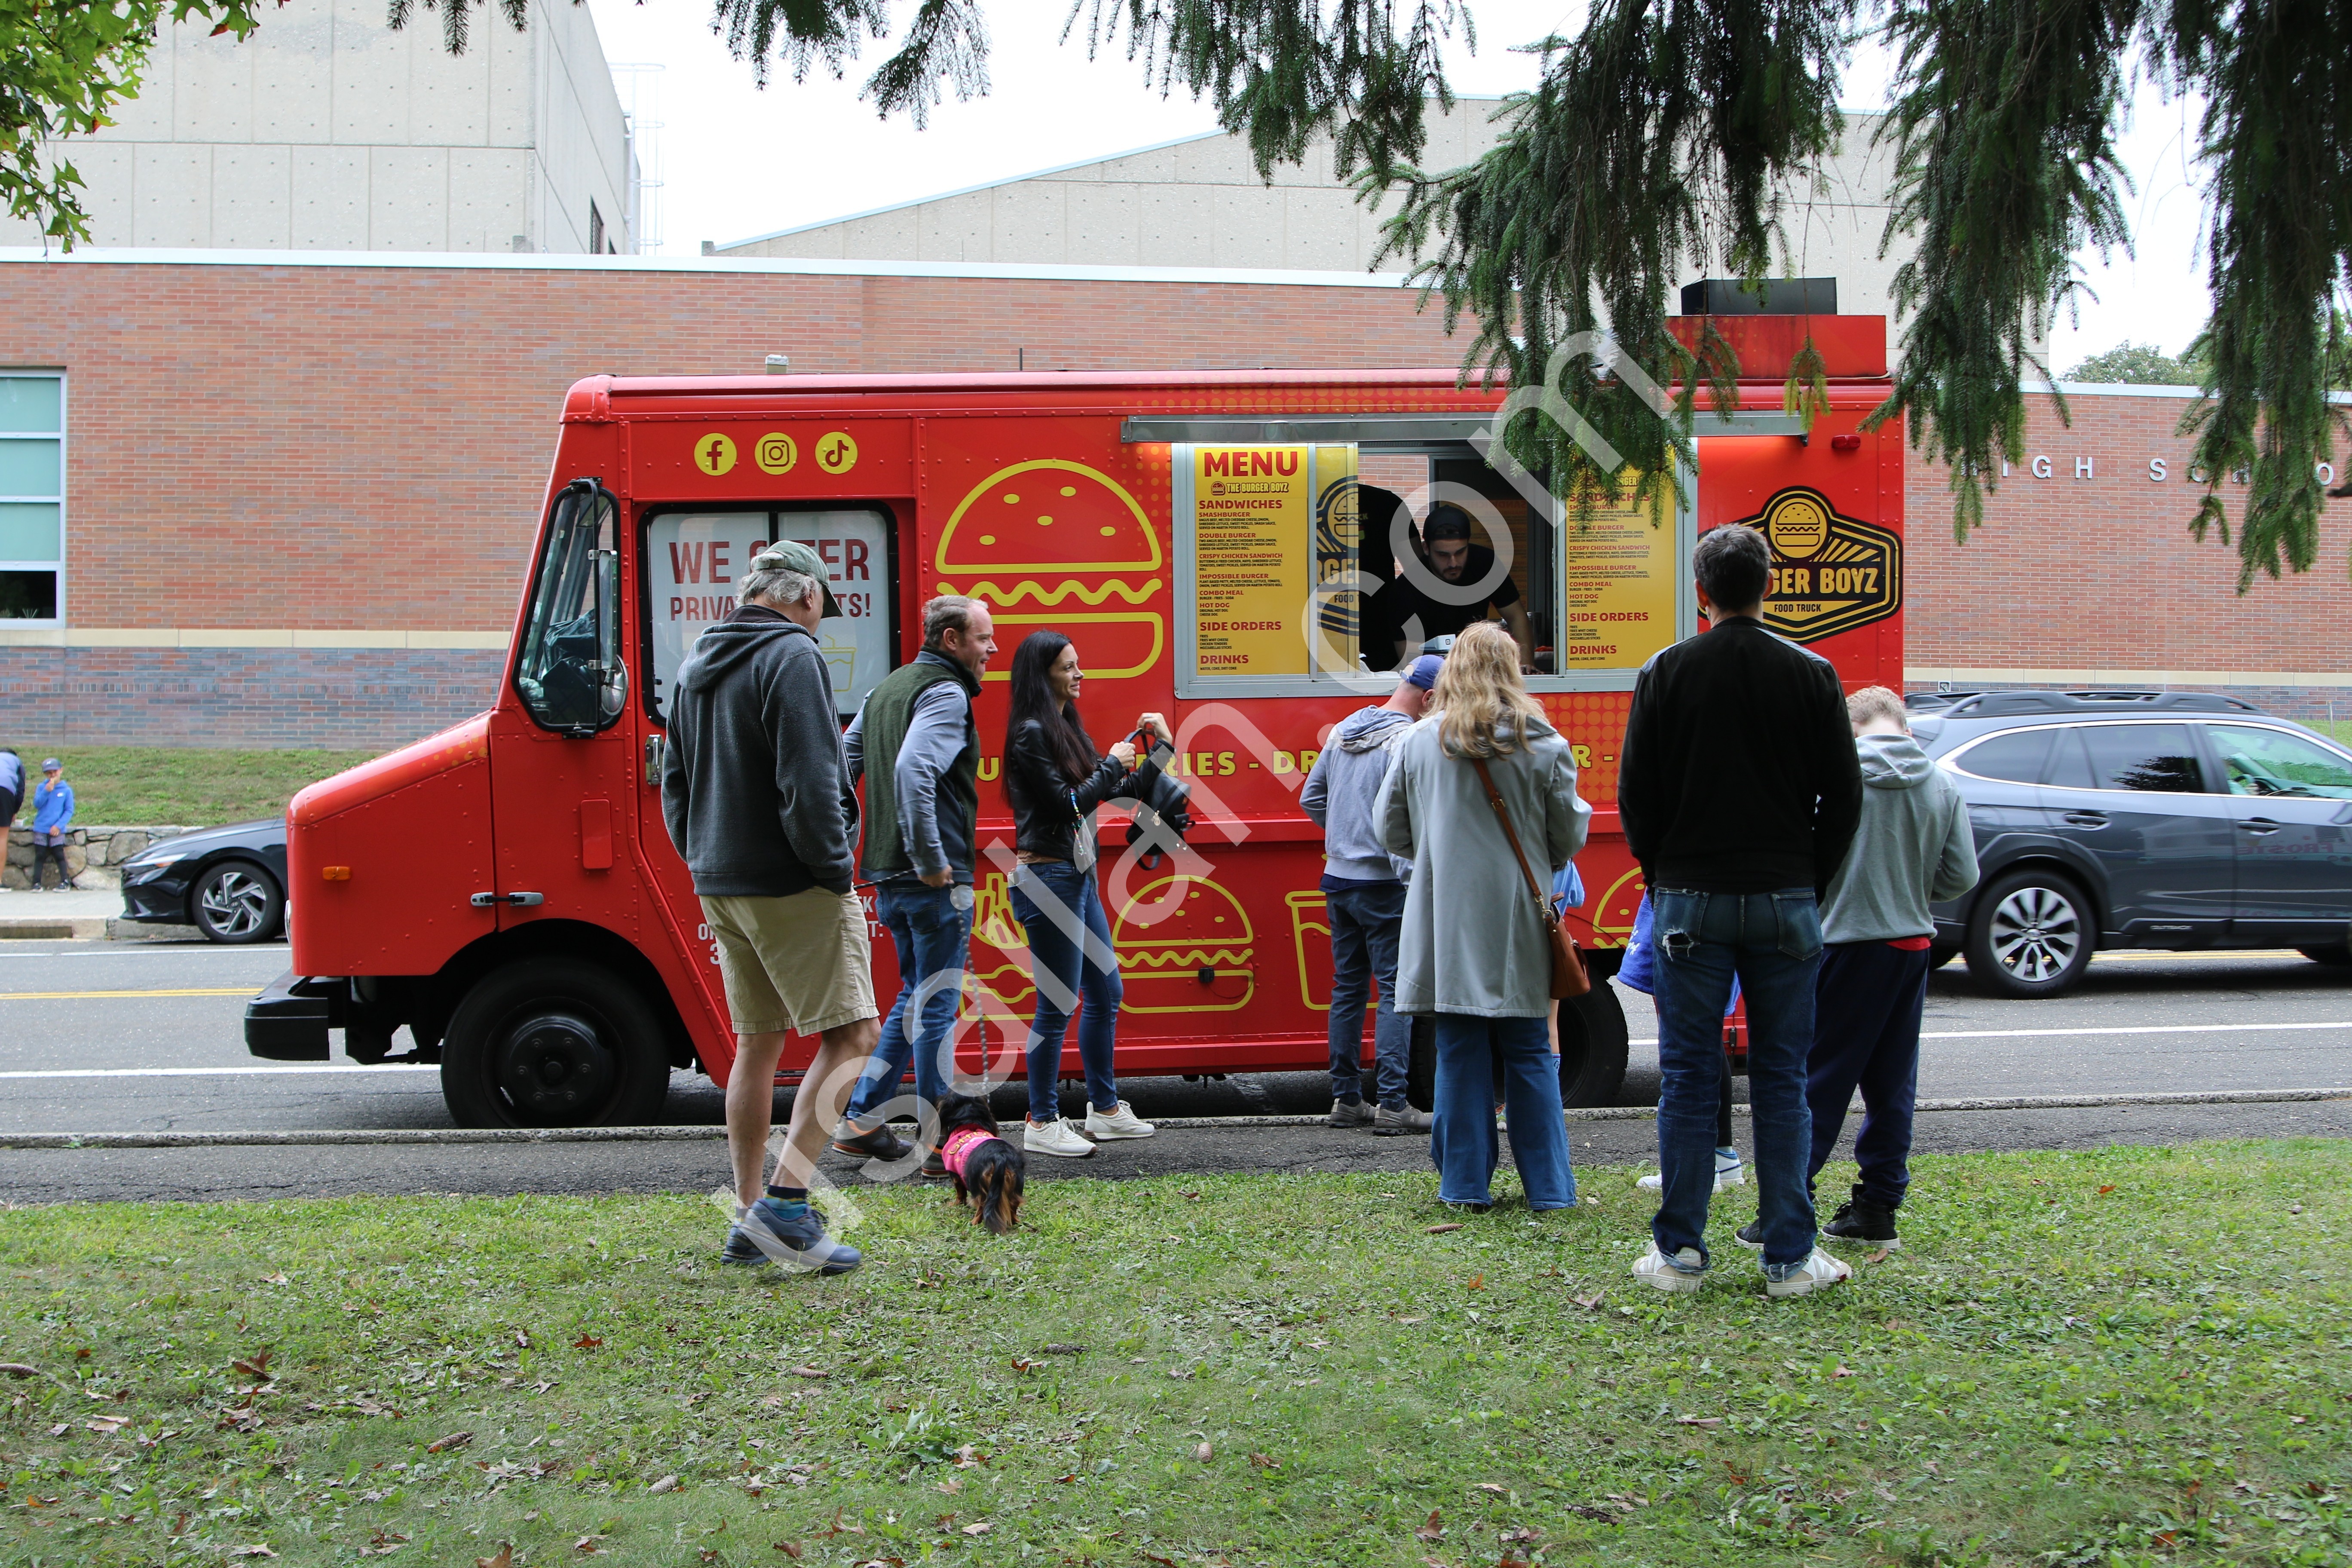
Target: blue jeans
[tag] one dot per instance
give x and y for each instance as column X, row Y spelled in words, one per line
column 1772, row 942
column 1366, row 917
column 1061, row 914
column 1868, row 1002
column 1475, row 1057
column 933, row 937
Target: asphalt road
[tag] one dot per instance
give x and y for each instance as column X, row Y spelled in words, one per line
column 147, row 1036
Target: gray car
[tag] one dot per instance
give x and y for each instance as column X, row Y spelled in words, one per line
column 2138, row 819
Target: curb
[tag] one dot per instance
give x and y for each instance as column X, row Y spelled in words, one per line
column 92, row 928
column 543, row 1135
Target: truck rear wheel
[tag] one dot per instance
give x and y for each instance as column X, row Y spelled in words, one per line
column 1592, row 1045
column 554, row 1042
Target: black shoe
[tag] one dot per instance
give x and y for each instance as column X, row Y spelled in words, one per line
column 1751, row 1236
column 1864, row 1221
column 879, row 1144
column 935, row 1167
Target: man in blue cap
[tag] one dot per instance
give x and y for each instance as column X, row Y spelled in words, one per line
column 1363, row 899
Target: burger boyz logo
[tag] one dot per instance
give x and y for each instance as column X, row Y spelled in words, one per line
column 1831, row 573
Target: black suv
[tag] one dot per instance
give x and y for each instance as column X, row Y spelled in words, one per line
column 2151, row 819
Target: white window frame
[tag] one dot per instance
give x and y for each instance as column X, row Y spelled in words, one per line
column 58, row 566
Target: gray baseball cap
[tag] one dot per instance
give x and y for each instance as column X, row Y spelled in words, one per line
column 791, row 555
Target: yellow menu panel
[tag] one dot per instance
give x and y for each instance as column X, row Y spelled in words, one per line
column 1253, row 511
column 1622, row 579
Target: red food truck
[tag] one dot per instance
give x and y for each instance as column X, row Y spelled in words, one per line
column 506, row 891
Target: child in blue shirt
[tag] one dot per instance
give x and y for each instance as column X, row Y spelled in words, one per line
column 53, row 814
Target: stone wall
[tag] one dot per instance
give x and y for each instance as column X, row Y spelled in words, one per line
column 94, row 856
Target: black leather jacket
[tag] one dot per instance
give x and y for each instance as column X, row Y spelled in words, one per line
column 1046, row 811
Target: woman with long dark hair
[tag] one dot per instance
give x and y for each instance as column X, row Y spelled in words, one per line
column 1054, row 780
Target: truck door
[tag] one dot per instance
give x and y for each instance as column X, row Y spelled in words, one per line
column 692, row 558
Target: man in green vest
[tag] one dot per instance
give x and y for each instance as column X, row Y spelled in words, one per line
column 915, row 743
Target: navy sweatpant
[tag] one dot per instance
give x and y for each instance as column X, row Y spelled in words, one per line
column 1867, row 1008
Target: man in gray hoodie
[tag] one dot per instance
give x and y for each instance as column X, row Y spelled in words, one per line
column 1363, row 899
column 757, row 795
column 1914, row 848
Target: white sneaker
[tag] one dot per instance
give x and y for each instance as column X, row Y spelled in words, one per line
column 1055, row 1137
column 1814, row 1273
column 1119, row 1122
column 1729, row 1172
column 1681, row 1273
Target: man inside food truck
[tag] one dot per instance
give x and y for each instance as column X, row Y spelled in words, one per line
column 1458, row 564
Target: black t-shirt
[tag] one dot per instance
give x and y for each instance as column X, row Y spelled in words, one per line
column 1401, row 600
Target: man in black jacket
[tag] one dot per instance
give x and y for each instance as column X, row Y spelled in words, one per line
column 757, row 795
column 1740, row 790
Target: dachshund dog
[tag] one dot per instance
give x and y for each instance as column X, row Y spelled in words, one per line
column 987, row 1170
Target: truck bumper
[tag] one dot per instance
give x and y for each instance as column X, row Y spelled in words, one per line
column 290, row 1020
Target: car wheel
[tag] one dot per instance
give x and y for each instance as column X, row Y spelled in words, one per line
column 1421, row 1066
column 2336, row 957
column 553, row 1043
column 2033, row 934
column 237, row 901
column 1593, row 1041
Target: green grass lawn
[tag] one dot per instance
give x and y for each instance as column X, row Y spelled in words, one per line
column 2132, row 1356
column 123, row 786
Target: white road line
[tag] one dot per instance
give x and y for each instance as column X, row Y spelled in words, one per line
column 218, row 1072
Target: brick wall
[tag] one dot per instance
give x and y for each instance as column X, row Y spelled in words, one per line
column 340, row 448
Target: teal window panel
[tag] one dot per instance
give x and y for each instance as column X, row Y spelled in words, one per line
column 31, row 469
column 30, row 531
column 34, row 405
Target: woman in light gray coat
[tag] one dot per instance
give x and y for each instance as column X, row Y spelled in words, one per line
column 1474, row 950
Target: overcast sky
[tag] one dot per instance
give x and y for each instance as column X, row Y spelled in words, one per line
column 738, row 161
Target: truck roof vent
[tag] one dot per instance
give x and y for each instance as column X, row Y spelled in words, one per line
column 1771, row 297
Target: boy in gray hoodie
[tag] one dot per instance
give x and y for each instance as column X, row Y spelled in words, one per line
column 1363, row 899
column 1914, row 848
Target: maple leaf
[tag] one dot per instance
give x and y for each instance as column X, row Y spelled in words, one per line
column 1432, row 1530
column 586, row 1342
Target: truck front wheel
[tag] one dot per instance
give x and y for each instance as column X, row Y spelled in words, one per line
column 554, row 1042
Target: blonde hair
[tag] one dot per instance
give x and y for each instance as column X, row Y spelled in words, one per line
column 1876, row 702
column 1483, row 705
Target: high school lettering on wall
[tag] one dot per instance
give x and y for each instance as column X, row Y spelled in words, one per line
column 2159, row 469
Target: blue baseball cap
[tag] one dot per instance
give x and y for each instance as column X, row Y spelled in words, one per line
column 51, row 765
column 1424, row 669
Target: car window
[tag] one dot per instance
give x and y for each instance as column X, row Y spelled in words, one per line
column 2015, row 757
column 2275, row 762
column 2158, row 759
column 2069, row 765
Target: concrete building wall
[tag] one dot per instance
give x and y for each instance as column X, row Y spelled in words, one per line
column 327, row 131
column 1199, row 202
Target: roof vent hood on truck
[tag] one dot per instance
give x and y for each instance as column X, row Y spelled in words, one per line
column 1771, row 297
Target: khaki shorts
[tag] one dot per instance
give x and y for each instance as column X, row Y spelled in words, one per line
column 802, row 962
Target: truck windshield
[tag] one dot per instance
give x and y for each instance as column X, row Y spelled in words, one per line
column 693, row 560
column 562, row 671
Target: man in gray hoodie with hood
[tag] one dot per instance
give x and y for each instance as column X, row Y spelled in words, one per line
column 1914, row 848
column 1363, row 899
column 757, row 795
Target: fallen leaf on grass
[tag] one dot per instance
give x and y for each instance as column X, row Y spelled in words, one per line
column 1698, row 1420
column 1881, row 1256
column 1023, row 1365
column 1492, row 1488
column 256, row 1366
column 277, row 1279
column 1066, row 1480
column 1155, row 1557
column 502, row 1558
column 454, row 1441
column 1410, row 1319
column 1522, row 1533
column 1441, row 1229
column 1066, row 1350
column 838, row 1528
column 18, row 1369
column 952, row 1484
column 1586, row 1510
column 1588, row 1302
column 1477, row 1282
column 586, row 1546
column 586, row 1342
column 1431, row 1530
column 982, row 1528
column 1204, row 1453
column 791, row 1549
column 60, row 1429
column 666, row 1484
column 1844, row 1372
column 256, row 1550
column 2106, row 1189
column 811, row 1373
column 1268, row 1462
column 109, row 1425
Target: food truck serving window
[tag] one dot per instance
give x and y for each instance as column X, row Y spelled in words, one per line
column 693, row 560
column 1308, row 566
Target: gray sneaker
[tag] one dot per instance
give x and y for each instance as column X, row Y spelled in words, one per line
column 1346, row 1115
column 1387, row 1123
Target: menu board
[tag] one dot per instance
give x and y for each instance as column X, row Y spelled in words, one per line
column 1623, row 572
column 1253, row 511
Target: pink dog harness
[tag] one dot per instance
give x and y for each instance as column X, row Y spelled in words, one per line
column 956, row 1153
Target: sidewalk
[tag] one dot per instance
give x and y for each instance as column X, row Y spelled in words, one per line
column 92, row 914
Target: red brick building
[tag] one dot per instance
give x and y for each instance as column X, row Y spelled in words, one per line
column 295, row 495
